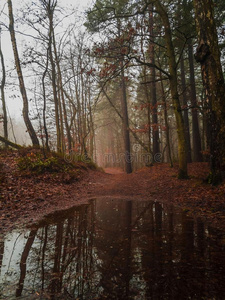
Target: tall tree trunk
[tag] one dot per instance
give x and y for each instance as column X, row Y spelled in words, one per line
column 2, row 87
column 125, row 119
column 185, row 104
column 27, row 121
column 148, row 100
column 208, row 54
column 166, row 122
column 126, row 133
column 182, row 151
column 91, row 124
column 155, row 131
column 50, row 7
column 196, row 138
column 62, row 145
column 84, row 114
column 61, row 95
column 69, row 138
column 149, row 124
column 44, row 106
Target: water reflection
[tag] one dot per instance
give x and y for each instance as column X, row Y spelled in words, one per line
column 114, row 249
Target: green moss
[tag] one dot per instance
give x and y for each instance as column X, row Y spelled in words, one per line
column 38, row 161
column 35, row 161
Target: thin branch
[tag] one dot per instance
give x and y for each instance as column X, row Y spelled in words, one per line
column 150, row 65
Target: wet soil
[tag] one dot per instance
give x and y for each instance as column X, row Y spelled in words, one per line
column 28, row 199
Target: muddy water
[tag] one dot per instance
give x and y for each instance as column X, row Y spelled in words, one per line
column 114, row 249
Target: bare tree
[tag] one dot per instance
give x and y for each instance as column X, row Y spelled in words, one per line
column 26, row 117
column 2, row 87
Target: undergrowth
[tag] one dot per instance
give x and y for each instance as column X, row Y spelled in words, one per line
column 37, row 161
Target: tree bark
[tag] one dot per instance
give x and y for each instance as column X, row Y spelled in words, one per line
column 185, row 104
column 196, row 138
column 44, row 106
column 91, row 125
column 69, row 138
column 166, row 123
column 2, row 87
column 125, row 120
column 27, row 121
column 50, row 10
column 182, row 151
column 208, row 55
column 155, row 131
column 11, row 144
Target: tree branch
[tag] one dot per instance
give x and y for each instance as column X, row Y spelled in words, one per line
column 11, row 144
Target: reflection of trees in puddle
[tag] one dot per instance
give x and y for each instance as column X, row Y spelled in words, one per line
column 1, row 252
column 118, row 249
column 23, row 261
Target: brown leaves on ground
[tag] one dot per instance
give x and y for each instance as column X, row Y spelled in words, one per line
column 27, row 194
column 160, row 183
column 29, row 198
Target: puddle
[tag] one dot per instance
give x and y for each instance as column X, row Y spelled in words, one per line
column 114, row 249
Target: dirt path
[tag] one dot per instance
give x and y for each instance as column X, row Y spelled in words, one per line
column 29, row 199
column 160, row 183
column 114, row 171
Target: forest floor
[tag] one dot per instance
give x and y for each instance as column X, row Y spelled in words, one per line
column 26, row 199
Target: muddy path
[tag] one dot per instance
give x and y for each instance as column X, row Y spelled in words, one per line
column 28, row 199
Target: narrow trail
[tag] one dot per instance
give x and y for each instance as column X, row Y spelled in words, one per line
column 160, row 183
column 155, row 183
column 115, row 182
column 114, row 171
column 28, row 199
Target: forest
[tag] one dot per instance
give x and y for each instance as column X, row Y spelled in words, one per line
column 112, row 149
column 133, row 84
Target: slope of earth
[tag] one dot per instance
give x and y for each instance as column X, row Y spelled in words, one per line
column 26, row 199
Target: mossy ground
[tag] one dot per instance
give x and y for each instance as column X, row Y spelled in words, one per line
column 46, row 184
column 37, row 161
